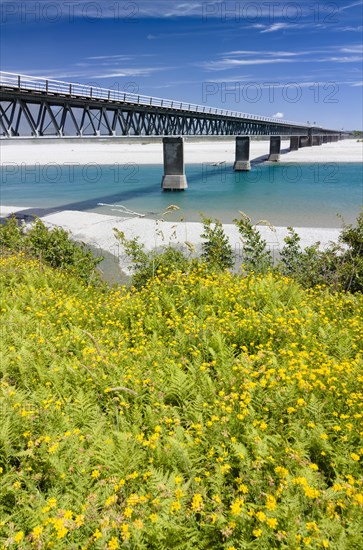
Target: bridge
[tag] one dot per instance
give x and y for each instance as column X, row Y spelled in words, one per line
column 39, row 107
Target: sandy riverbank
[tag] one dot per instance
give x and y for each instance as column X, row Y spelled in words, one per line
column 97, row 230
column 146, row 151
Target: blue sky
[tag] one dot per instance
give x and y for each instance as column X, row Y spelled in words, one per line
column 298, row 60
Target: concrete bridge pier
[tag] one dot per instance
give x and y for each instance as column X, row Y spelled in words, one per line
column 242, row 163
column 304, row 141
column 325, row 139
column 294, row 143
column 316, row 140
column 275, row 148
column 174, row 178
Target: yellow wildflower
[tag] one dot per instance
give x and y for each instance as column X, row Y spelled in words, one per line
column 19, row 536
column 113, row 544
column 37, row 532
column 236, row 506
column 197, row 502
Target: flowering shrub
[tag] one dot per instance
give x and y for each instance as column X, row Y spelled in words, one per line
column 202, row 411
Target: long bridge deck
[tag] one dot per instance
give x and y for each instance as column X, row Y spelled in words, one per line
column 42, row 107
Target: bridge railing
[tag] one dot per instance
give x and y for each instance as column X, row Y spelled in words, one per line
column 58, row 87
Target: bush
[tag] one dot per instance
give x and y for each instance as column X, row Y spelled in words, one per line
column 256, row 256
column 148, row 265
column 53, row 246
column 352, row 259
column 340, row 266
column 11, row 235
column 309, row 266
column 216, row 250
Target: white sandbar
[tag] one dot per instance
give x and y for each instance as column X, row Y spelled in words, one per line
column 145, row 151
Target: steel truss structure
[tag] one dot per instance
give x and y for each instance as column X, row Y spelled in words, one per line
column 39, row 107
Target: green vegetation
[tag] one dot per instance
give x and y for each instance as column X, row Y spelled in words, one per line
column 53, row 246
column 216, row 250
column 257, row 258
column 201, row 410
column 340, row 266
column 147, row 264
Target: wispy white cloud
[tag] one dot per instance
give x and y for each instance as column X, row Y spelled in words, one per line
column 238, row 58
column 288, row 26
column 230, row 63
column 270, row 53
column 119, row 57
column 277, row 27
column 232, row 80
column 80, row 71
column 133, row 71
column 278, row 115
column 353, row 5
column 350, row 29
column 343, row 59
column 352, row 49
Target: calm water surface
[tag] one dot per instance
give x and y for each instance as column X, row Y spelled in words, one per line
column 285, row 194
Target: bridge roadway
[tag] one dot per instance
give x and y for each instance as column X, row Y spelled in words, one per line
column 32, row 106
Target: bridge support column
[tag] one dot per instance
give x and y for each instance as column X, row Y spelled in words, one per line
column 242, row 162
column 275, row 148
column 316, row 140
column 325, row 139
column 174, row 174
column 294, row 143
column 304, row 141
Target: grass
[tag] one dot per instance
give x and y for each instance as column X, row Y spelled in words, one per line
column 202, row 411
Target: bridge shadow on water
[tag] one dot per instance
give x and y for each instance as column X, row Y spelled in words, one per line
column 147, row 190
column 85, row 205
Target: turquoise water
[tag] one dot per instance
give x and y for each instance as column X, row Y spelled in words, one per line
column 309, row 195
